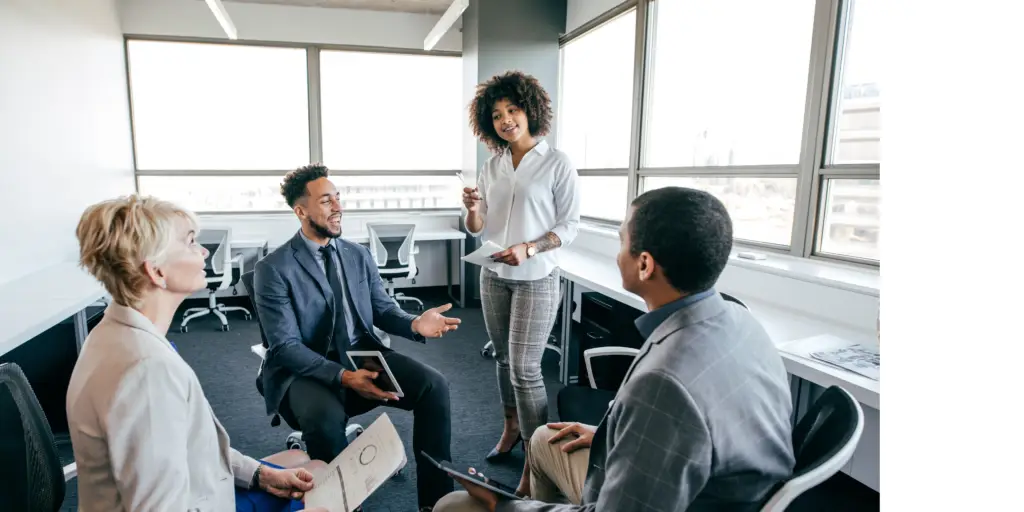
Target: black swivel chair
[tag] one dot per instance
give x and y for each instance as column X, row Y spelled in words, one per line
column 823, row 441
column 588, row 404
column 31, row 474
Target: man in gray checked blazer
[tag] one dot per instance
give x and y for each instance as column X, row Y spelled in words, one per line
column 702, row 420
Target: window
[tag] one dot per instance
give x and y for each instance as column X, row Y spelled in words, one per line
column 385, row 111
column 603, row 197
column 217, row 193
column 852, row 218
column 263, row 193
column 597, row 95
column 218, row 107
column 729, row 83
column 856, row 131
column 761, row 209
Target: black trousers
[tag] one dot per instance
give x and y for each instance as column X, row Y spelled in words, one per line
column 322, row 414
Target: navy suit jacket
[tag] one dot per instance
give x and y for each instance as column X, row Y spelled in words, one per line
column 295, row 305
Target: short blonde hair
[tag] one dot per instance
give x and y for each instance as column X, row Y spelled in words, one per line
column 115, row 238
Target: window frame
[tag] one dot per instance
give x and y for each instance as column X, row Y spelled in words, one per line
column 829, row 40
column 587, row 28
column 315, row 124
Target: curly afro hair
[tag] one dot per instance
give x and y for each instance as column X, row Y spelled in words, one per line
column 293, row 187
column 519, row 89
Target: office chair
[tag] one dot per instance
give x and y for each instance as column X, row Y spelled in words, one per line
column 588, row 404
column 823, row 441
column 31, row 476
column 220, row 274
column 294, row 440
column 404, row 263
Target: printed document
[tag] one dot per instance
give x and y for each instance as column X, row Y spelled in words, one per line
column 369, row 461
column 482, row 256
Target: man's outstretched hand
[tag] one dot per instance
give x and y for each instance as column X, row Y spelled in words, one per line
column 432, row 324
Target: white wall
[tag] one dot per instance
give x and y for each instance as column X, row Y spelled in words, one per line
column 579, row 12
column 282, row 23
column 65, row 139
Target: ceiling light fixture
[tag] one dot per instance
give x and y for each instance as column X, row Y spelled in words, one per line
column 222, row 17
column 447, row 20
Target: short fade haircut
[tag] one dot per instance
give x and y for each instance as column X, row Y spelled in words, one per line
column 521, row 90
column 688, row 232
column 293, row 187
column 115, row 238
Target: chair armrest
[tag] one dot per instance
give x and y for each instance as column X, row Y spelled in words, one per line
column 70, row 471
column 259, row 350
column 604, row 351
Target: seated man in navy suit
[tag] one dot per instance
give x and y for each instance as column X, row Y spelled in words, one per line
column 319, row 296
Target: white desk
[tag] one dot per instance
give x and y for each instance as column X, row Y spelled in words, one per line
column 34, row 303
column 450, row 235
column 456, row 242
column 602, row 275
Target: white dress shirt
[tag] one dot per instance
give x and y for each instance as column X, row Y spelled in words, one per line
column 523, row 204
column 144, row 436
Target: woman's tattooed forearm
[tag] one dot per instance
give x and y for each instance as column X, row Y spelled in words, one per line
column 548, row 242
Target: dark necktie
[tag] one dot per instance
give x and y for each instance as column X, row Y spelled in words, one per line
column 341, row 317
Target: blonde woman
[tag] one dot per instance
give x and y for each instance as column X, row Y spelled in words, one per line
column 143, row 433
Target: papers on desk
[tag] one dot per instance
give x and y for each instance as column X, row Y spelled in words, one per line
column 862, row 359
column 482, row 256
column 360, row 469
column 859, row 358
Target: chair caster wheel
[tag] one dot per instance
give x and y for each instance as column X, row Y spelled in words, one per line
column 183, row 328
column 295, row 443
column 248, row 317
column 225, row 328
column 485, row 353
column 359, row 432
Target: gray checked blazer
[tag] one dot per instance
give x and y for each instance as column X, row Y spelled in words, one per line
column 702, row 421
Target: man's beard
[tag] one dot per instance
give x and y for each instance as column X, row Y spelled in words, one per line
column 323, row 231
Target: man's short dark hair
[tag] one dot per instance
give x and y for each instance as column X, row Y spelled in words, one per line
column 293, row 187
column 521, row 90
column 688, row 232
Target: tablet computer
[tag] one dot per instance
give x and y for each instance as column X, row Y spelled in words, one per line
column 471, row 475
column 374, row 361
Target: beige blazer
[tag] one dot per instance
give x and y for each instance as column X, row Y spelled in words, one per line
column 144, row 436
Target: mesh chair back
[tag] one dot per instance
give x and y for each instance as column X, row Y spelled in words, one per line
column 406, row 232
column 31, row 474
column 730, row 298
column 216, row 241
column 828, row 426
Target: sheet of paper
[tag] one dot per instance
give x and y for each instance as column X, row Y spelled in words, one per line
column 482, row 256
column 846, row 355
column 862, row 359
column 369, row 461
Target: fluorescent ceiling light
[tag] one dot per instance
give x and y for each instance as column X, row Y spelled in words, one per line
column 447, row 20
column 222, row 17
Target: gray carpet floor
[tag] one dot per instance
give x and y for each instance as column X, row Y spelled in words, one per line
column 227, row 370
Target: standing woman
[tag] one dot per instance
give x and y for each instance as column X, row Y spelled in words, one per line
column 528, row 200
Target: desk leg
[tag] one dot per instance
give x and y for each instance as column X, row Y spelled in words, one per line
column 81, row 329
column 448, row 266
column 563, row 366
column 459, row 301
column 462, row 273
